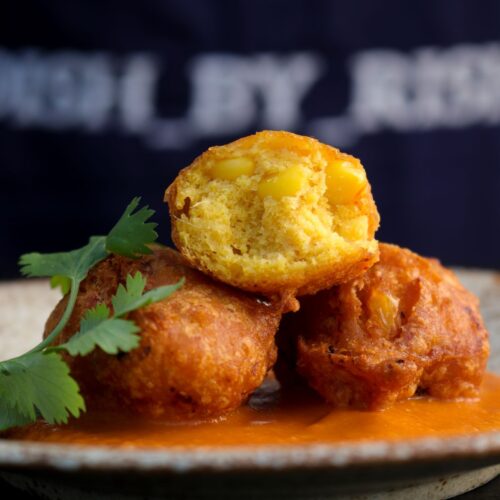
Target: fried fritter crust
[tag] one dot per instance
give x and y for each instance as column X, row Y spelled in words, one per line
column 406, row 326
column 203, row 350
column 287, row 220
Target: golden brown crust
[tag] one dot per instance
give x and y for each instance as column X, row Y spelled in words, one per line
column 203, row 350
column 305, row 272
column 354, row 356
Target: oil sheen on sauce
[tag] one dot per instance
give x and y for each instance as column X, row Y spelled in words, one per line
column 273, row 418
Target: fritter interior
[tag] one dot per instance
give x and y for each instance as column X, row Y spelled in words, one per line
column 275, row 211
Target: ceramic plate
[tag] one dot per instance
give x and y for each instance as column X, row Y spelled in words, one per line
column 432, row 467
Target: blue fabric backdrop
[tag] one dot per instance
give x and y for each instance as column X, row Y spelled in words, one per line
column 104, row 100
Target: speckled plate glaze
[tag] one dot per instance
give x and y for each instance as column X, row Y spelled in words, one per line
column 423, row 468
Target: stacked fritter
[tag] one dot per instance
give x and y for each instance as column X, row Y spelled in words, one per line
column 293, row 220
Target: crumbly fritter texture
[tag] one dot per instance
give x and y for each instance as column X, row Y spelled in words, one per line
column 203, row 350
column 406, row 326
column 266, row 236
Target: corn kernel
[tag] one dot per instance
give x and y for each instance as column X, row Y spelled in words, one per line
column 232, row 168
column 286, row 183
column 344, row 182
column 384, row 308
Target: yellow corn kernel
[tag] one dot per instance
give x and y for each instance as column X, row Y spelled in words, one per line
column 354, row 229
column 344, row 182
column 286, row 183
column 232, row 168
column 383, row 308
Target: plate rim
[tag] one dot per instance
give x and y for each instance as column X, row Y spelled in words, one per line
column 68, row 457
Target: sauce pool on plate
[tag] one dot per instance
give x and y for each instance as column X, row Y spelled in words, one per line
column 295, row 417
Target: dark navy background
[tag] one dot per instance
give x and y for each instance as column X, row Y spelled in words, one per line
column 437, row 189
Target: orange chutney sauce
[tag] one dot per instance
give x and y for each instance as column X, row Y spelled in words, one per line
column 295, row 418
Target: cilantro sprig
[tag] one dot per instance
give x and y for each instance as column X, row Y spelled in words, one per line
column 39, row 383
column 109, row 331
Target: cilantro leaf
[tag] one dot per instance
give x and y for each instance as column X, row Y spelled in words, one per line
column 132, row 233
column 128, row 237
column 132, row 297
column 97, row 329
column 74, row 265
column 62, row 282
column 10, row 417
column 39, row 383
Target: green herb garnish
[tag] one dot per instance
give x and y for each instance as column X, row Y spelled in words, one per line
column 38, row 383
